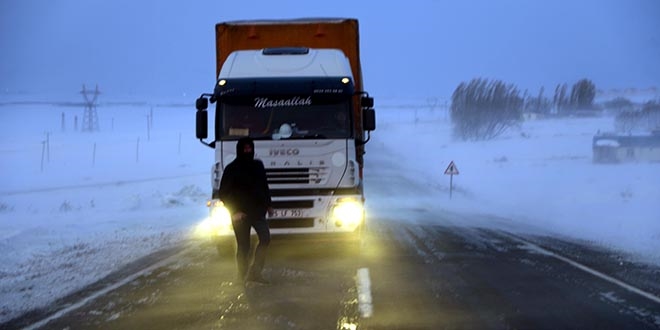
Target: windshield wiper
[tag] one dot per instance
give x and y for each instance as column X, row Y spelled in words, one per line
column 263, row 137
column 310, row 136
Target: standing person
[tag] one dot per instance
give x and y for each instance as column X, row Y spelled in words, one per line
column 244, row 191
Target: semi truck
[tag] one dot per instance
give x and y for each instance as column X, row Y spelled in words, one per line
column 295, row 87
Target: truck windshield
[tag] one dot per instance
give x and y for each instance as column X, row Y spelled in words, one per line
column 319, row 121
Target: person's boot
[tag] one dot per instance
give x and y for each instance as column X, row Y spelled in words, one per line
column 257, row 277
column 241, row 274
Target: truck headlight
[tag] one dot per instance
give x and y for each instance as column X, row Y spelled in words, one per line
column 348, row 212
column 219, row 215
column 218, row 223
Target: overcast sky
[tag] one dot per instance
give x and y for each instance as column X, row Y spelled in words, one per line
column 416, row 48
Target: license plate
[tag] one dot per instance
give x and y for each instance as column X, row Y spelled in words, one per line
column 287, row 213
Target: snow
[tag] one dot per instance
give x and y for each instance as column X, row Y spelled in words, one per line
column 76, row 206
column 607, row 143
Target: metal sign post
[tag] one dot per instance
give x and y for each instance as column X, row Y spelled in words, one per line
column 451, row 170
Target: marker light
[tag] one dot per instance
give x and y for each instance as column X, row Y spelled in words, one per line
column 345, row 80
column 348, row 212
column 222, row 82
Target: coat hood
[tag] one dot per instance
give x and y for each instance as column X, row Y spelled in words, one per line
column 240, row 152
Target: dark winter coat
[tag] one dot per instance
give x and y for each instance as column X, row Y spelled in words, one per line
column 244, row 187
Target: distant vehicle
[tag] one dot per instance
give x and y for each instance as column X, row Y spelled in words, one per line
column 295, row 87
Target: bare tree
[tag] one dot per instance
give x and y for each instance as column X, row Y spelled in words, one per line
column 482, row 109
column 619, row 104
column 583, row 94
column 560, row 99
column 646, row 120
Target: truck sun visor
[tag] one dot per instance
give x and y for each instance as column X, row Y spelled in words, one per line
column 285, row 51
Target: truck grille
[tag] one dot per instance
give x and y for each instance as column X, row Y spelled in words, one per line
column 293, row 204
column 291, row 223
column 303, row 175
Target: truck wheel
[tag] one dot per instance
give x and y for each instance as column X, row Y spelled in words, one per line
column 226, row 248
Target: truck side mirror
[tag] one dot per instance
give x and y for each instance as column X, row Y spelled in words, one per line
column 201, row 104
column 369, row 119
column 367, row 102
column 201, row 123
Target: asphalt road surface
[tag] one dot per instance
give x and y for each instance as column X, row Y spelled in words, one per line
column 404, row 276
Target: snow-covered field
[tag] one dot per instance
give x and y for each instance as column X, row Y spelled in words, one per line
column 75, row 211
column 77, row 206
column 539, row 178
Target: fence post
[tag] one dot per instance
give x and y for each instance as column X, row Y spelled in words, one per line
column 94, row 155
column 43, row 152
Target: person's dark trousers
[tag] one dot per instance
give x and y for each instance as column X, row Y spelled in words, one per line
column 263, row 233
column 242, row 233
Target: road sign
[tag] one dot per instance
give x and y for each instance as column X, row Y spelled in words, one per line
column 451, row 169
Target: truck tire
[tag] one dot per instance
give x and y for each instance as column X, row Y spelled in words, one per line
column 226, row 248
